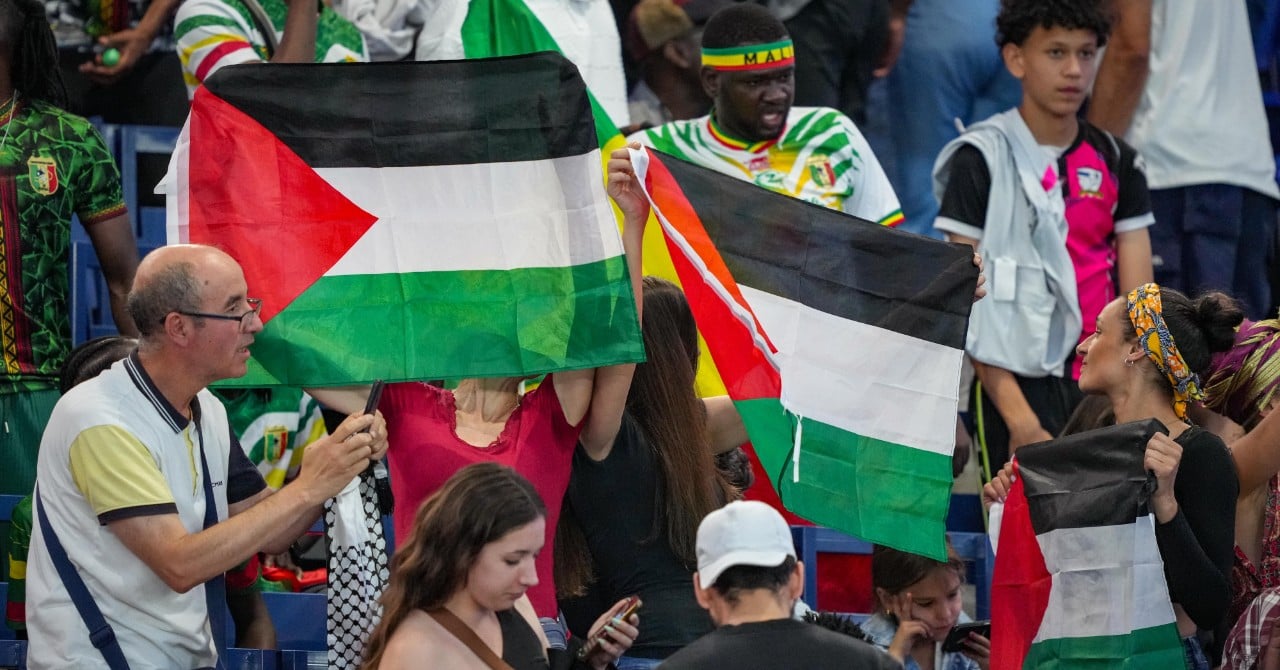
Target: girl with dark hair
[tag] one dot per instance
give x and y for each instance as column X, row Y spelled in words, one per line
column 644, row 479
column 456, row 594
column 1147, row 355
column 919, row 603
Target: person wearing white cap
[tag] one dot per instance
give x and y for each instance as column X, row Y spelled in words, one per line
column 748, row 579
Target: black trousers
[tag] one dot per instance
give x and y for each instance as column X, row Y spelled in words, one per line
column 837, row 46
column 1053, row 399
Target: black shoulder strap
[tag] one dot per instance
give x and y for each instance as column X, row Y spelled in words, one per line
column 101, row 634
column 466, row 636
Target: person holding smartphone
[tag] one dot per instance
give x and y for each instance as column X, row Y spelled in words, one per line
column 644, row 476
column 456, row 598
column 919, row 607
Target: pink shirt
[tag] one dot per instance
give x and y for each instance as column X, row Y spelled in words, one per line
column 1101, row 201
column 425, row 451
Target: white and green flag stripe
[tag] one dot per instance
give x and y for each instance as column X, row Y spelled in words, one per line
column 1079, row 581
column 839, row 341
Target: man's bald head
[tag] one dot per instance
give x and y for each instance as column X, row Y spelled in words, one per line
column 170, row 279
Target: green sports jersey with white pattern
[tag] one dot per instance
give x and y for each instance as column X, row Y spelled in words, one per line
column 273, row 425
column 53, row 164
column 820, row 157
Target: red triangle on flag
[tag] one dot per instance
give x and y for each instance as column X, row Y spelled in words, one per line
column 281, row 221
column 1020, row 583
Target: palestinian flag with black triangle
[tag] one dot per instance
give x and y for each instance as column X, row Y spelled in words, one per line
column 840, row 342
column 409, row 220
column 1078, row 580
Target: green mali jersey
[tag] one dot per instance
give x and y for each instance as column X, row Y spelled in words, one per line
column 273, row 425
column 53, row 164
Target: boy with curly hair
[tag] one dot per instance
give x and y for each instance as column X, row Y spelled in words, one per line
column 1058, row 209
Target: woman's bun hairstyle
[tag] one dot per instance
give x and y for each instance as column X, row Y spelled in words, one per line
column 1200, row 327
column 1218, row 316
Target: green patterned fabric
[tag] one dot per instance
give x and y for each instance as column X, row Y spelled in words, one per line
column 52, row 164
column 15, row 612
column 273, row 426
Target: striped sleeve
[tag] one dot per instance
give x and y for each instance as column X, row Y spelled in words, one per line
column 873, row 198
column 211, row 34
column 117, row 475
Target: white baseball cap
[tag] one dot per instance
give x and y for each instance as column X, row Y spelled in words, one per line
column 744, row 532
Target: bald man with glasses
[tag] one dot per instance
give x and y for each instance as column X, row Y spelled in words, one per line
column 143, row 496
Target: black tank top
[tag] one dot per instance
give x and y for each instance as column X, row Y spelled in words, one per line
column 520, row 646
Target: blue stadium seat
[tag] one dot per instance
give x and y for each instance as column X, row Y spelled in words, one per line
column 965, row 514
column 134, row 141
column 90, row 301
column 7, row 503
column 300, row 620
column 90, row 298
column 813, row 540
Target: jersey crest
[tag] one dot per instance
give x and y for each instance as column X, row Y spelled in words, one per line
column 1090, row 180
column 275, row 439
column 821, row 172
column 44, row 175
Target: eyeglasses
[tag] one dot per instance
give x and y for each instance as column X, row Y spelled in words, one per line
column 255, row 306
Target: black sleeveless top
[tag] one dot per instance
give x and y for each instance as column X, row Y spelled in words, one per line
column 521, row 648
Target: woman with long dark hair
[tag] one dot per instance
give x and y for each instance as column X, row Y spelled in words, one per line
column 1147, row 356
column 644, row 478
column 458, row 580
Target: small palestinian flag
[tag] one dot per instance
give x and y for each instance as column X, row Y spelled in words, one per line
column 840, row 342
column 1078, row 580
column 409, row 220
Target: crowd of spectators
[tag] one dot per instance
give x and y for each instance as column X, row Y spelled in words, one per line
column 1118, row 188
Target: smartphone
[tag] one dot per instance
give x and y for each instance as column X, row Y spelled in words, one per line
column 375, row 395
column 377, row 471
column 957, row 636
column 630, row 607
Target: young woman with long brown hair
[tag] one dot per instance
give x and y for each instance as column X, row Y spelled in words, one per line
column 645, row 477
column 462, row 573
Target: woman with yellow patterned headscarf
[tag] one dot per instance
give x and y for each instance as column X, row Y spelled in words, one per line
column 1148, row 356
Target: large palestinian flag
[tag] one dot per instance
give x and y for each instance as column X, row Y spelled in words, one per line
column 1078, row 578
column 840, row 342
column 410, row 220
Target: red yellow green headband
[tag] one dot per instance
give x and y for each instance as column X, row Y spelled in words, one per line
column 750, row 57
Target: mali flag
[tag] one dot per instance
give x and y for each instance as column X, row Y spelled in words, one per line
column 840, row 342
column 409, row 220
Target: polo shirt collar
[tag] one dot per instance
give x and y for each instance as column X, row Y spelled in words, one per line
column 142, row 380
